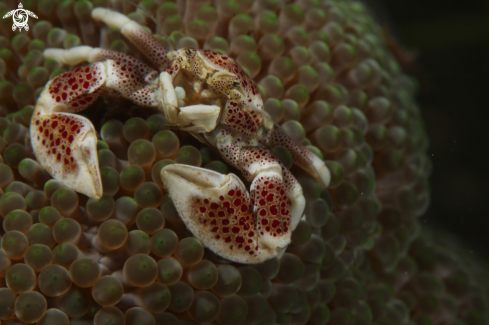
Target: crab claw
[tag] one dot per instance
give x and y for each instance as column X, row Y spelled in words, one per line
column 66, row 146
column 216, row 208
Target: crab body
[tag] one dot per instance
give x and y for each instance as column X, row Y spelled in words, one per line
column 205, row 93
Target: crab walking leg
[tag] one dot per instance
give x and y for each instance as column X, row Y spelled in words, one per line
column 272, row 185
column 82, row 54
column 302, row 157
column 137, row 34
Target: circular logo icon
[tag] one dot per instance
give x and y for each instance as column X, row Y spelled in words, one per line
column 20, row 17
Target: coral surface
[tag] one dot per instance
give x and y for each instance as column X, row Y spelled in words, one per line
column 327, row 78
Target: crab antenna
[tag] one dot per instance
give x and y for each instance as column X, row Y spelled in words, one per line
column 145, row 12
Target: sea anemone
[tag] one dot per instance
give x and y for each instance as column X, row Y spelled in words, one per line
column 327, row 78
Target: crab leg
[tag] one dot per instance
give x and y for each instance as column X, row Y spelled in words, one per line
column 137, row 34
column 82, row 54
column 122, row 76
column 258, row 166
column 302, row 157
column 65, row 144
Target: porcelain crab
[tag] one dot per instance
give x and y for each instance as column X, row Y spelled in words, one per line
column 200, row 91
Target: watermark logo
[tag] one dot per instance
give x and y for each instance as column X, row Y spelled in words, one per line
column 20, row 17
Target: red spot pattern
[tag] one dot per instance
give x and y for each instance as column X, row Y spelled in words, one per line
column 223, row 62
column 128, row 79
column 271, row 206
column 77, row 88
column 56, row 133
column 230, row 219
column 255, row 155
column 289, row 180
column 150, row 46
column 270, row 203
column 172, row 69
column 242, row 120
column 301, row 156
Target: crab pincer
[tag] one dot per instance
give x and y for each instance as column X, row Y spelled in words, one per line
column 217, row 209
column 64, row 143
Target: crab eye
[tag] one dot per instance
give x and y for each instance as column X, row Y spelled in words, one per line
column 235, row 84
column 188, row 52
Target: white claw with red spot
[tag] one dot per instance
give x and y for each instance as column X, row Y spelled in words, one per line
column 66, row 144
column 217, row 209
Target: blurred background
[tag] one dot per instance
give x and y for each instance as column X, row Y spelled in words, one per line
column 448, row 42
